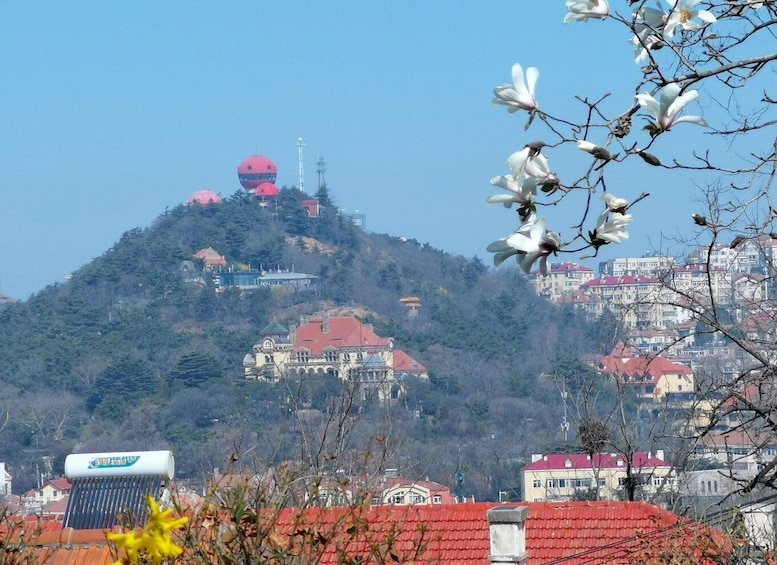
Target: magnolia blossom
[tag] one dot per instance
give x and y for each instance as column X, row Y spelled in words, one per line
column 667, row 109
column 530, row 242
column 530, row 163
column 683, row 15
column 587, row 146
column 644, row 41
column 613, row 203
column 520, row 94
column 521, row 193
column 611, row 228
column 583, row 10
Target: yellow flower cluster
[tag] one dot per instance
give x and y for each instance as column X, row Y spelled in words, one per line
column 154, row 540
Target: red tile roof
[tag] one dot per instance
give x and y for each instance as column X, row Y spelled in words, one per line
column 343, row 332
column 569, row 532
column 639, row 367
column 403, row 363
column 557, row 461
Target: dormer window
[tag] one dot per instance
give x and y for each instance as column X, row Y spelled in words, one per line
column 303, row 356
column 330, row 356
column 568, row 463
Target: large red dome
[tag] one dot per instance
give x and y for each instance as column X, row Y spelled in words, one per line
column 204, row 197
column 256, row 170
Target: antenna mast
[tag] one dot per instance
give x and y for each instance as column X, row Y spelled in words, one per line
column 300, row 145
column 321, row 170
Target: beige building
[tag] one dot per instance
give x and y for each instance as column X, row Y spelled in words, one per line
column 568, row 476
column 640, row 301
column 650, row 266
column 338, row 346
column 563, row 279
column 650, row 379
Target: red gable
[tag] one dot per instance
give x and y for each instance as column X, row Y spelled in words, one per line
column 341, row 332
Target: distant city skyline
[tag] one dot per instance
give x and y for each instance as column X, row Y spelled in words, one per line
column 113, row 113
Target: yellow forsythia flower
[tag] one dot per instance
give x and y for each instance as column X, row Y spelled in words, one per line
column 153, row 539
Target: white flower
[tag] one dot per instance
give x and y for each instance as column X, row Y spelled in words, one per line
column 611, row 228
column 587, row 146
column 519, row 95
column 683, row 15
column 645, row 40
column 613, row 203
column 583, row 10
column 667, row 110
column 529, row 163
column 521, row 193
column 533, row 241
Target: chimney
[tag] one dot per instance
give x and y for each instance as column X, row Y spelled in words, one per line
column 660, row 454
column 507, row 529
column 293, row 333
column 536, row 457
column 325, row 324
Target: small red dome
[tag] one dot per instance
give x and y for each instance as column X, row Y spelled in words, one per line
column 204, row 197
column 256, row 170
column 267, row 189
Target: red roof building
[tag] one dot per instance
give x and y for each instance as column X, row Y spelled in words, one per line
column 572, row 533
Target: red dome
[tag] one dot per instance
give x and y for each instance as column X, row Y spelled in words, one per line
column 204, row 197
column 256, row 170
column 267, row 189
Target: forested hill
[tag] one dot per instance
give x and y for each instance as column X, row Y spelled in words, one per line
column 136, row 352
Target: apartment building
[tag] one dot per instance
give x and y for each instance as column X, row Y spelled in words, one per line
column 570, row 476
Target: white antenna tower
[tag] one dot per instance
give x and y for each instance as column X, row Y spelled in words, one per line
column 300, row 145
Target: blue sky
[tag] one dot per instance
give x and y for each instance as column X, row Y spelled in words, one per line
column 113, row 111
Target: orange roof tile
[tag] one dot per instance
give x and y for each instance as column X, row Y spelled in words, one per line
column 458, row 534
column 343, row 332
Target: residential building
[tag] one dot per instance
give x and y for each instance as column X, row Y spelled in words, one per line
column 5, row 480
column 336, row 345
column 638, row 300
column 52, row 491
column 738, row 453
column 695, row 284
column 647, row 266
column 211, row 258
column 563, row 279
column 567, row 476
column 650, row 379
column 399, row 491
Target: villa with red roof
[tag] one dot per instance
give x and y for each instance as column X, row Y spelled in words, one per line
column 336, row 345
column 564, row 476
column 651, row 379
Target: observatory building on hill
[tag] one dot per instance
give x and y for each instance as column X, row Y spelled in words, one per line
column 257, row 174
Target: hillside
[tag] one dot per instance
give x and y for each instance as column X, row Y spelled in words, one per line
column 135, row 352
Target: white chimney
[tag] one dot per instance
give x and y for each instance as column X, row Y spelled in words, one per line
column 507, row 526
column 660, row 454
column 536, row 457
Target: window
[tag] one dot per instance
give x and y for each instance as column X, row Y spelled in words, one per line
column 330, row 356
column 437, row 499
column 376, row 499
column 536, row 483
column 602, row 482
column 416, row 498
column 556, row 483
column 398, row 498
column 303, row 356
column 657, row 481
column 621, row 481
column 580, row 483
